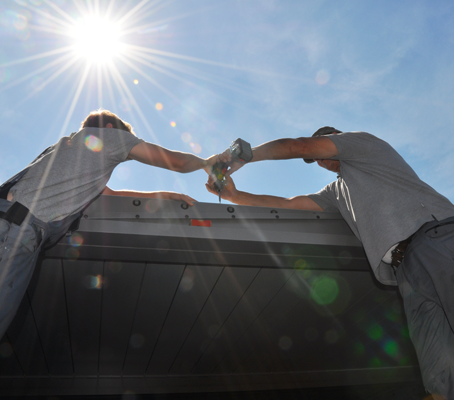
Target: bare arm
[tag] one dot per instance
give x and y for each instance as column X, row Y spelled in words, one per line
column 285, row 149
column 230, row 193
column 152, row 154
column 150, row 195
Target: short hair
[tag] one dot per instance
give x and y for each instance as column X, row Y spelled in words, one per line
column 100, row 118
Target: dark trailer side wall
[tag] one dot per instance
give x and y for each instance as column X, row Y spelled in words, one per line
column 158, row 297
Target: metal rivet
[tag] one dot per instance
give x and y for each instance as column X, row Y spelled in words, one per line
column 273, row 211
column 136, row 202
column 318, row 216
column 277, row 216
column 230, row 209
column 233, row 216
column 184, row 206
column 186, row 216
column 85, row 216
column 137, row 216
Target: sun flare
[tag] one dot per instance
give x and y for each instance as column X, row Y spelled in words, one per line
column 96, row 39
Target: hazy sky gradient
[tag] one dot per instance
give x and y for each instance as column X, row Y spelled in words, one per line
column 271, row 69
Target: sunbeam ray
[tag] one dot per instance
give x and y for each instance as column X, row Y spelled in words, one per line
column 208, row 62
column 75, row 99
column 122, row 83
column 186, row 70
column 144, row 28
column 132, row 11
column 50, row 79
column 37, row 71
column 60, row 11
column 37, row 56
column 45, row 15
column 148, row 78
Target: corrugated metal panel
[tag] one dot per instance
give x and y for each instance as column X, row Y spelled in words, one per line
column 293, row 308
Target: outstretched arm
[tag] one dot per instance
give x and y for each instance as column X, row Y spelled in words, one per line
column 285, row 149
column 153, row 154
column 230, row 193
column 150, row 195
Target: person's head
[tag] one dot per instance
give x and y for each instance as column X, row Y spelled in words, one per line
column 330, row 165
column 105, row 119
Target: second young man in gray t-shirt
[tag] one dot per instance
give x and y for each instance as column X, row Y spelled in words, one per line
column 405, row 226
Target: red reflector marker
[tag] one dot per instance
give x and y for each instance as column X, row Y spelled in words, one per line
column 200, row 222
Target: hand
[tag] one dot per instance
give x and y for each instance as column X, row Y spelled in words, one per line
column 210, row 161
column 179, row 197
column 234, row 165
column 227, row 193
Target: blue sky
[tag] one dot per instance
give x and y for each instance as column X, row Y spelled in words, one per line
column 222, row 69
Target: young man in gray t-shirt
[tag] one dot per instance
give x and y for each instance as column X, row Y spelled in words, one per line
column 60, row 183
column 385, row 203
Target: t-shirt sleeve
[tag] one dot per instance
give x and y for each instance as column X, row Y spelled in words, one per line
column 354, row 146
column 119, row 144
column 326, row 198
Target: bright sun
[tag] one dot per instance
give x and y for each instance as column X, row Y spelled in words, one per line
column 96, row 39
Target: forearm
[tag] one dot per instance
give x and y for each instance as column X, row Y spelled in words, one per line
column 136, row 193
column 261, row 200
column 151, row 154
column 186, row 162
column 280, row 149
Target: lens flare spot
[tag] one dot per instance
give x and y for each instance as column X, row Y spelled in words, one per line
column 324, row 290
column 186, row 137
column 72, row 253
column 76, row 240
column 300, row 264
column 404, row 332
column 125, row 104
column 159, row 106
column 331, row 336
column 196, row 148
column 359, row 349
column 322, row 77
column 93, row 282
column 285, row 343
column 20, row 22
column 93, row 143
column 375, row 332
column 115, row 267
column 122, row 172
column 173, row 124
column 375, row 362
column 136, row 81
column 391, row 348
column 187, row 281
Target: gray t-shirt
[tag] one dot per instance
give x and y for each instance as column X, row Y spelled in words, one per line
column 380, row 196
column 73, row 172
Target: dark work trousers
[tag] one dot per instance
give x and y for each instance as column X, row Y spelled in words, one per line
column 19, row 249
column 426, row 283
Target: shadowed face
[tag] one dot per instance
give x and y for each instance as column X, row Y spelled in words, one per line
column 330, row 165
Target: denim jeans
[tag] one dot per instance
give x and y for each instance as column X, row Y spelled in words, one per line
column 426, row 283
